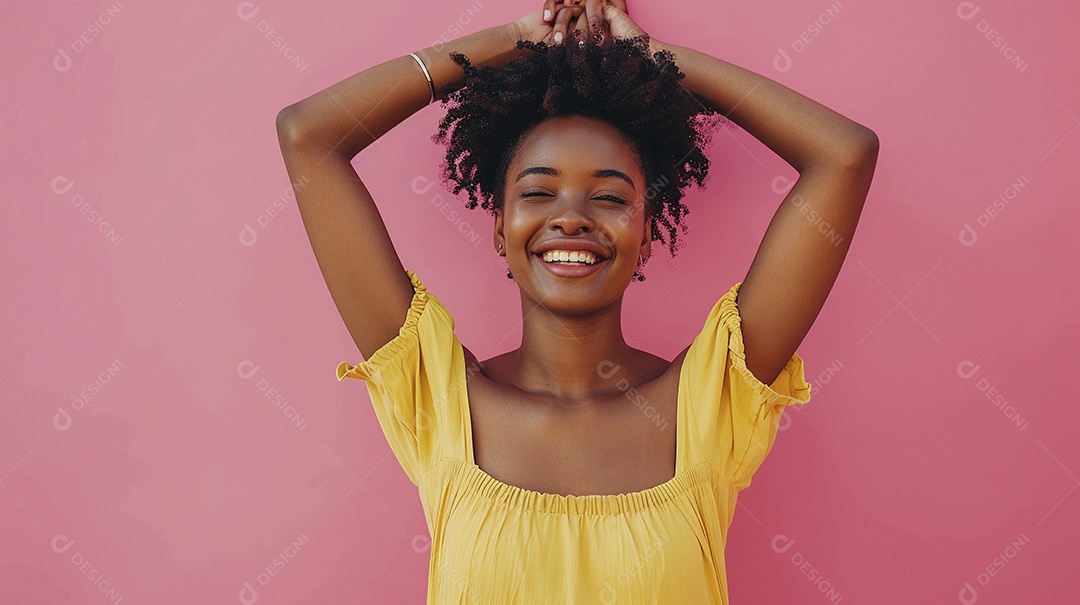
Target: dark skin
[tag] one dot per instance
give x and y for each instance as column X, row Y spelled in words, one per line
column 543, row 416
column 572, row 324
column 537, row 410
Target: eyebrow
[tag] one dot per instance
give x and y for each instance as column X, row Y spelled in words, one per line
column 604, row 173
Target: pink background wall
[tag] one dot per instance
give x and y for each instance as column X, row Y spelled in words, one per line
column 163, row 315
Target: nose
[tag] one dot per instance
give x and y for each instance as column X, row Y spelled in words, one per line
column 570, row 218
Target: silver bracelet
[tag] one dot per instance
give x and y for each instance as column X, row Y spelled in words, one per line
column 427, row 74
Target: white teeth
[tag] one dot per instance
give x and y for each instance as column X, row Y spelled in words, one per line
column 575, row 256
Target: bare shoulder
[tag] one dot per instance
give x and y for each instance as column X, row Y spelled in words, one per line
column 475, row 371
column 662, row 376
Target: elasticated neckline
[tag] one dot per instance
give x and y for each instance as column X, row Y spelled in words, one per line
column 476, row 480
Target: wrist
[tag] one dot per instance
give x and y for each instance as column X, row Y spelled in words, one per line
column 514, row 32
column 656, row 46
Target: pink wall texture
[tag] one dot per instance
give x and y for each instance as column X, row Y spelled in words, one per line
column 173, row 431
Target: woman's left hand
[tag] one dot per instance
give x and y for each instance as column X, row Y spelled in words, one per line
column 619, row 21
column 609, row 15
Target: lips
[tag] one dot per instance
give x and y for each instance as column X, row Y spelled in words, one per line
column 571, row 269
column 572, row 247
column 584, row 257
column 571, row 244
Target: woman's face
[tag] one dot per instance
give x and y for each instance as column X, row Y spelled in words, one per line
column 574, row 185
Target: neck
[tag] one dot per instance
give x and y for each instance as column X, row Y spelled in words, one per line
column 570, row 357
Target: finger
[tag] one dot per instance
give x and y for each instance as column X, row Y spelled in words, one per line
column 579, row 14
column 549, row 10
column 581, row 24
column 576, row 7
column 581, row 21
column 619, row 4
column 562, row 20
column 594, row 10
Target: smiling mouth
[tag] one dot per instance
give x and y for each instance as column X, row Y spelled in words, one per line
column 570, row 257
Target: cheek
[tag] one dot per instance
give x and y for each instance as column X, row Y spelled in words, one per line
column 620, row 236
column 629, row 223
column 519, row 225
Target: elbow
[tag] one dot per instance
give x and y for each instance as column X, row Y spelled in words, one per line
column 865, row 145
column 283, row 117
column 288, row 125
column 856, row 149
column 870, row 142
column 859, row 150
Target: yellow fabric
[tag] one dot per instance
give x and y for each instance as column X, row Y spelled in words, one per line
column 496, row 543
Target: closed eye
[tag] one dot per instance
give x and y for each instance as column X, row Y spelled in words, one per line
column 614, row 198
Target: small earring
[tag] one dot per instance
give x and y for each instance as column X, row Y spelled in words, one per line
column 509, row 275
column 638, row 275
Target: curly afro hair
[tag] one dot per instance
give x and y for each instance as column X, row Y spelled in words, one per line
column 600, row 76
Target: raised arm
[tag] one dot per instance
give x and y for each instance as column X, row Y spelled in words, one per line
column 320, row 135
column 808, row 238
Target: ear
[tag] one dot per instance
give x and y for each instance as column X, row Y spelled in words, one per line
column 498, row 234
column 646, row 239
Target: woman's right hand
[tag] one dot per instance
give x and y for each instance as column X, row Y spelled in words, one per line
column 564, row 15
column 534, row 28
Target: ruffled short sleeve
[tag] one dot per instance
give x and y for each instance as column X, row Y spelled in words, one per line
column 736, row 416
column 412, row 381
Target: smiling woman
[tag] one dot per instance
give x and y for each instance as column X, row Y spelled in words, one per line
column 612, row 90
column 569, row 454
column 564, row 203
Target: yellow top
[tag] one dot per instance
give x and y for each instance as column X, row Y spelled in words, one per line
column 492, row 542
